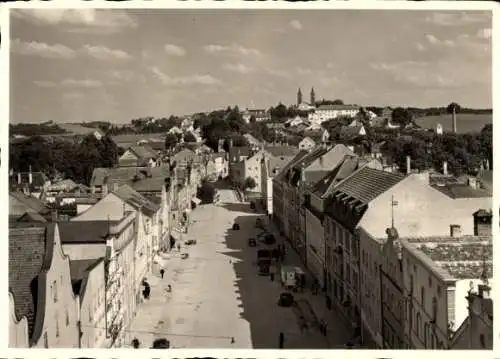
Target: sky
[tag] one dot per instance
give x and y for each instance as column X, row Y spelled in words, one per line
column 117, row 65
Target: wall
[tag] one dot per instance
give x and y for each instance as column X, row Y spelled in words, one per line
column 84, row 250
column 422, row 211
column 371, row 259
column 253, row 169
column 315, row 246
column 92, row 309
column 60, row 316
column 80, row 208
column 110, row 207
column 420, row 308
column 18, row 330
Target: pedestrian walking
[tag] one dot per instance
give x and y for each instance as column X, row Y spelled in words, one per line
column 282, row 340
column 162, row 272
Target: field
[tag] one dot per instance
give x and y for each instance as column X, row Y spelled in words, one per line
column 465, row 122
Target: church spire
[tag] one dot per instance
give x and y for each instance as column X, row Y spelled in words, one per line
column 313, row 97
column 299, row 97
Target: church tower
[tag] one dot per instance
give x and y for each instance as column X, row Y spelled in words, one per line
column 299, row 97
column 313, row 97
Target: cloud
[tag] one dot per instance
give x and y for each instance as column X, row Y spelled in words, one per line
column 45, row 83
column 174, row 50
column 423, row 74
column 484, row 33
column 85, row 83
column 296, row 24
column 73, row 96
column 34, row 48
column 79, row 20
column 278, row 73
column 59, row 51
column 456, row 18
column 122, row 75
column 420, row 47
column 234, row 49
column 304, row 71
column 190, row 80
column 432, row 39
column 240, row 68
column 104, row 53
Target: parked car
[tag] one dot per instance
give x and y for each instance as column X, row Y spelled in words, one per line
column 286, row 299
column 236, row 227
column 252, row 242
column 161, row 343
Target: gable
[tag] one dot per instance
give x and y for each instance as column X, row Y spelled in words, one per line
column 128, row 155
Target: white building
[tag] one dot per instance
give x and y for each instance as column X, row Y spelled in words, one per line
column 327, row 112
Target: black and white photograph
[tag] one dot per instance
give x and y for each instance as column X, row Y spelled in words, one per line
column 250, row 178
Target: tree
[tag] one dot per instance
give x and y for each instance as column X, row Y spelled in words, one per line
column 401, row 116
column 249, row 183
column 189, row 137
column 337, row 102
column 170, row 141
column 453, row 108
column 279, row 111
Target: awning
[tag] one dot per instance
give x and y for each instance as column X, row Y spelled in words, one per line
column 196, row 200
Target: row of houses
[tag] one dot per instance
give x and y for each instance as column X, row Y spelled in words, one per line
column 77, row 282
column 397, row 253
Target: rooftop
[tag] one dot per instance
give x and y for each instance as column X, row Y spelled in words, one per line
column 27, row 251
column 458, row 190
column 126, row 175
column 464, row 257
column 136, row 200
column 144, row 152
column 91, row 232
column 337, row 107
column 80, row 270
column 367, row 184
column 283, row 172
column 281, row 151
column 239, row 151
column 325, row 186
column 31, row 203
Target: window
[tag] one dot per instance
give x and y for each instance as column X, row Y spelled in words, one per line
column 418, row 324
column 434, row 309
column 439, row 291
column 54, row 290
column 482, row 340
column 422, row 296
column 57, row 326
column 67, row 318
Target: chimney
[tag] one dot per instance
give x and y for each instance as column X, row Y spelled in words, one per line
column 30, row 176
column 482, row 223
column 105, row 189
column 19, row 178
column 455, row 231
column 445, row 168
column 408, row 165
column 484, row 291
column 54, row 216
column 454, row 119
column 473, row 182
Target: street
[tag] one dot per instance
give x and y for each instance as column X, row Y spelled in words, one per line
column 218, row 300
